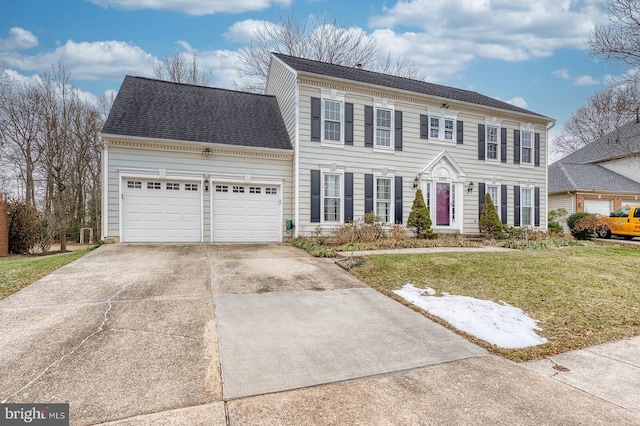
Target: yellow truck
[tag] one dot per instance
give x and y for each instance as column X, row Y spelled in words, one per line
column 624, row 222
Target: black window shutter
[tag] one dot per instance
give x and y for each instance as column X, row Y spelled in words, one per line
column 481, row 192
column 516, row 147
column 315, row 119
column 424, row 126
column 348, row 124
column 536, row 207
column 348, row 197
column 516, row 206
column 315, row 195
column 368, row 193
column 503, row 144
column 536, row 137
column 398, row 200
column 398, row 134
column 503, row 204
column 481, row 136
column 368, row 125
column 460, row 132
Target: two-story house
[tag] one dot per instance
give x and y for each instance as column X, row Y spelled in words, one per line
column 322, row 147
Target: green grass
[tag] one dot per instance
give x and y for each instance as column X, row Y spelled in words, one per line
column 581, row 296
column 17, row 272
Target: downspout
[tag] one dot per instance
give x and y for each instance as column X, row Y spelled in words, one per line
column 104, row 216
column 296, row 163
column 550, row 126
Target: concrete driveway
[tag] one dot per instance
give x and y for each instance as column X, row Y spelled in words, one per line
column 246, row 334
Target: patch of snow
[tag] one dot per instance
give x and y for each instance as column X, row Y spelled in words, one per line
column 500, row 324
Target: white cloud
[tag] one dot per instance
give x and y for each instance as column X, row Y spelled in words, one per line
column 518, row 101
column 562, row 73
column 194, row 7
column 88, row 60
column 242, row 31
column 18, row 39
column 585, row 80
column 510, row 30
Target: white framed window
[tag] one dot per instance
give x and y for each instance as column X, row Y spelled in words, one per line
column 442, row 127
column 172, row 186
column 222, row 188
column 332, row 201
column 526, row 207
column 384, row 198
column 332, row 118
column 255, row 190
column 271, row 191
column 134, row 184
column 384, row 126
column 494, row 193
column 526, row 147
column 154, row 185
column 190, row 186
column 238, row 189
column 493, row 142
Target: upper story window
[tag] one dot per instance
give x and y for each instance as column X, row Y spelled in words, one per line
column 332, row 121
column 526, row 147
column 493, row 142
column 384, row 120
column 440, row 126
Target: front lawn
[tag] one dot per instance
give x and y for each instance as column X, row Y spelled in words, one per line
column 581, row 296
column 17, row 272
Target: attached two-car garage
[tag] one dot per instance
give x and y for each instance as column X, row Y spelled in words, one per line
column 155, row 210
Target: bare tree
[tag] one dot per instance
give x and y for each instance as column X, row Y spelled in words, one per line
column 605, row 112
column 619, row 39
column 319, row 38
column 176, row 68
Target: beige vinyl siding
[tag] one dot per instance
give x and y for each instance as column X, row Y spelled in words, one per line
column 417, row 153
column 628, row 167
column 563, row 201
column 282, row 84
column 237, row 167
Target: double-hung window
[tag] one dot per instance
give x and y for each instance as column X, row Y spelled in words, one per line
column 494, row 193
column 526, row 207
column 526, row 147
column 383, row 128
column 383, row 199
column 332, row 197
column 493, row 142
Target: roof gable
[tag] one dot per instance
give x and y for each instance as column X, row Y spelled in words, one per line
column 158, row 109
column 622, row 142
column 394, row 82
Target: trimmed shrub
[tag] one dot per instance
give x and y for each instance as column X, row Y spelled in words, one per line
column 419, row 218
column 582, row 234
column 587, row 227
column 489, row 222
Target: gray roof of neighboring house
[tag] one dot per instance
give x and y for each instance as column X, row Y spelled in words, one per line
column 370, row 77
column 565, row 177
column 619, row 143
column 579, row 171
column 159, row 109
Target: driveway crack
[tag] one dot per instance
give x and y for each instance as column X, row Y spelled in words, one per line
column 105, row 318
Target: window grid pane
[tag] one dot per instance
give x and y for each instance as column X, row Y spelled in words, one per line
column 383, row 138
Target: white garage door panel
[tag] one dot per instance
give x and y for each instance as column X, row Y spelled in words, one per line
column 161, row 215
column 250, row 214
column 602, row 207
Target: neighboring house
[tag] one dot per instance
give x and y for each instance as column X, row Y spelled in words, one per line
column 325, row 145
column 600, row 177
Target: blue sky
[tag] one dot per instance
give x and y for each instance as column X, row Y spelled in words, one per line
column 530, row 53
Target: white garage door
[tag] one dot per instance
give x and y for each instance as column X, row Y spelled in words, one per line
column 246, row 213
column 602, row 207
column 161, row 211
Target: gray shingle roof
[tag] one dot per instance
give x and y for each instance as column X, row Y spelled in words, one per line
column 164, row 110
column 379, row 79
column 565, row 177
column 619, row 143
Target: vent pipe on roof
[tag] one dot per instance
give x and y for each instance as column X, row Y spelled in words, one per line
column 358, row 66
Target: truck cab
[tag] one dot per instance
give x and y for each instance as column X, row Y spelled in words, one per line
column 625, row 222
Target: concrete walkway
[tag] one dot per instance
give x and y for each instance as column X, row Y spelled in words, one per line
column 261, row 335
